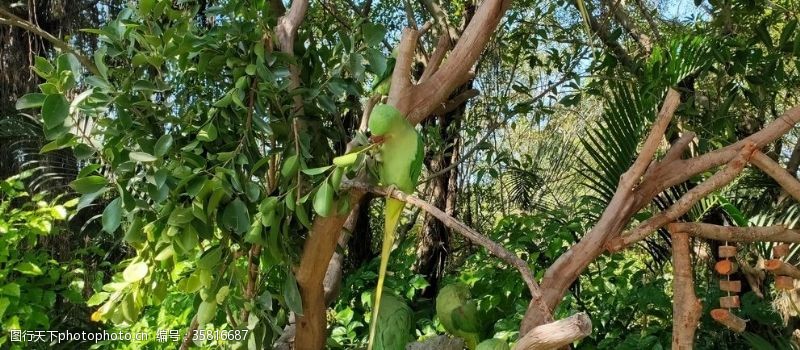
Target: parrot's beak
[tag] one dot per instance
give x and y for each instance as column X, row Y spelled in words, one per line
column 376, row 139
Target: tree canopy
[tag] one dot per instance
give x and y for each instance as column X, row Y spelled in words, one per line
column 598, row 174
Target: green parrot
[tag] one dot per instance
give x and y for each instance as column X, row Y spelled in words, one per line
column 401, row 153
column 394, row 324
column 459, row 314
column 493, row 344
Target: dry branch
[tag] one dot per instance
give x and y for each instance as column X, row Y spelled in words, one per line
column 8, row 18
column 788, row 182
column 737, row 234
column 466, row 231
column 754, row 277
column 556, row 334
column 686, row 308
column 727, row 319
column 780, row 268
column 685, row 203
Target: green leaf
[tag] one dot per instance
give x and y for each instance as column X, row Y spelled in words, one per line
column 135, row 272
column 236, row 217
column 11, row 289
column 208, row 133
column 55, row 110
column 33, row 100
column 112, row 215
column 252, row 191
column 89, row 184
column 29, row 268
column 316, row 171
column 377, row 63
column 292, row 294
column 290, row 166
column 163, row 145
column 206, row 312
column 142, row 157
column 180, row 216
column 210, row 258
column 373, row 33
column 97, row 299
column 323, row 200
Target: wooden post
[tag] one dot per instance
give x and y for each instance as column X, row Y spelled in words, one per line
column 726, row 251
column 730, row 302
column 727, row 319
column 784, row 282
column 730, row 286
column 780, row 268
column 780, row 250
column 725, row 267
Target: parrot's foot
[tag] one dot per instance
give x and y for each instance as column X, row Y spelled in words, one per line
column 390, row 190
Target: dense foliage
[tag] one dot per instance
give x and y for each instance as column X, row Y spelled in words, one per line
column 191, row 156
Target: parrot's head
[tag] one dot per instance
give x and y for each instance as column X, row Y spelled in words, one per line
column 382, row 119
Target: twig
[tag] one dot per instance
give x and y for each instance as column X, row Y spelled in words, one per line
column 8, row 18
column 466, row 231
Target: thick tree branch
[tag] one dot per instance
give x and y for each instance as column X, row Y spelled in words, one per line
column 686, row 308
column 417, row 102
column 682, row 205
column 557, row 334
column 286, row 32
column 8, row 18
column 788, row 182
column 737, row 234
column 627, row 201
column 780, row 268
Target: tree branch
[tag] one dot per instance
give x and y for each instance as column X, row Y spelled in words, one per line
column 737, row 234
column 686, row 308
column 788, row 182
column 458, row 226
column 682, row 205
column 8, row 18
column 557, row 334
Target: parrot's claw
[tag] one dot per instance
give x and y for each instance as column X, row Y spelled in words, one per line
column 390, row 190
column 377, row 139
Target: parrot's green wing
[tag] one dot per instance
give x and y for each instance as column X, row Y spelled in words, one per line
column 465, row 317
column 394, row 324
column 493, row 344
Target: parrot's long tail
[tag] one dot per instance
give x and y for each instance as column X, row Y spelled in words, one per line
column 394, row 208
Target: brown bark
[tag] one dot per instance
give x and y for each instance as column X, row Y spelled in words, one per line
column 317, row 252
column 730, row 302
column 727, row 319
column 686, row 308
column 787, row 181
column 634, row 192
column 782, row 250
column 777, row 233
column 730, row 286
column 726, row 251
column 784, row 282
column 780, row 268
column 557, row 334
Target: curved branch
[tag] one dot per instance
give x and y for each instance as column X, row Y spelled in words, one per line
column 8, row 18
column 466, row 231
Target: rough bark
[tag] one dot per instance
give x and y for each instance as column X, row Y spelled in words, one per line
column 686, row 308
column 557, row 334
